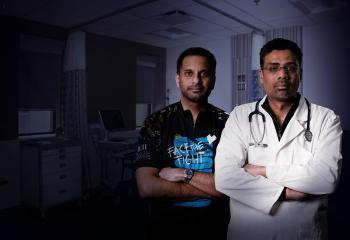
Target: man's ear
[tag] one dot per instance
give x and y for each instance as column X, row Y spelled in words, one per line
column 177, row 79
column 212, row 84
column 261, row 77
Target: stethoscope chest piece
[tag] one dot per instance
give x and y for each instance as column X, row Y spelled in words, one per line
column 308, row 135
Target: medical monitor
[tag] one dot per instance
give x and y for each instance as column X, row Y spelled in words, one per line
column 36, row 123
column 112, row 120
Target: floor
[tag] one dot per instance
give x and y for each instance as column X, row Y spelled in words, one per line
column 101, row 216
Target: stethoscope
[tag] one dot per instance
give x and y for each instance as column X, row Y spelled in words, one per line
column 259, row 142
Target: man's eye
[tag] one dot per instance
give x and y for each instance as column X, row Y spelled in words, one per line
column 205, row 74
column 292, row 68
column 188, row 74
column 273, row 68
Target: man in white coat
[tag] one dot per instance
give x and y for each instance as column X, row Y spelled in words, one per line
column 278, row 164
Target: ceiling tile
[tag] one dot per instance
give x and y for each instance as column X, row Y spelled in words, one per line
column 143, row 26
column 138, row 23
column 152, row 9
column 19, row 7
column 200, row 27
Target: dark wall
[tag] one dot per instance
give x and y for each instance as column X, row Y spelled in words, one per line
column 10, row 59
column 339, row 208
column 11, row 29
column 111, row 75
column 39, row 77
column 9, row 46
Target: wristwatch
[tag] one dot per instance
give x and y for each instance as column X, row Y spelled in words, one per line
column 188, row 175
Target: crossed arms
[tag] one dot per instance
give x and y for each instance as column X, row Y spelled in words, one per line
column 287, row 194
column 261, row 186
column 169, row 184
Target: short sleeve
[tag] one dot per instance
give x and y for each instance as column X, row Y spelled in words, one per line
column 149, row 150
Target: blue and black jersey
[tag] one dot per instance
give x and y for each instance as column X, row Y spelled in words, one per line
column 169, row 138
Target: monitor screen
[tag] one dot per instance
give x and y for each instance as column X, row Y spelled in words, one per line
column 36, row 122
column 111, row 119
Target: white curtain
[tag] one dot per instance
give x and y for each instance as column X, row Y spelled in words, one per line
column 293, row 33
column 242, row 59
column 73, row 111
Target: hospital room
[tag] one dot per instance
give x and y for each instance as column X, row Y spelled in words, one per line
column 80, row 77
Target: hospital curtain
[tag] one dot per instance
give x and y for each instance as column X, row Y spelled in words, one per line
column 73, row 114
column 293, row 33
column 242, row 54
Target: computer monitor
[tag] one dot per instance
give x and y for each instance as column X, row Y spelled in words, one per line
column 112, row 120
column 36, row 123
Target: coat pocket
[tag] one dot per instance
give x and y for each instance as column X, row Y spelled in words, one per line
column 301, row 155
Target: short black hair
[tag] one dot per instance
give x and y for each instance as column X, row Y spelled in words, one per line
column 280, row 44
column 198, row 51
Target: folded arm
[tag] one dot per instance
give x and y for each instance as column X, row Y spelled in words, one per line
column 230, row 177
column 288, row 194
column 151, row 185
column 320, row 173
column 202, row 181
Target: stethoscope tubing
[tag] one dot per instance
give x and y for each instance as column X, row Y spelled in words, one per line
column 308, row 133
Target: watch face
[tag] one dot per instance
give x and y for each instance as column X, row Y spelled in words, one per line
column 188, row 174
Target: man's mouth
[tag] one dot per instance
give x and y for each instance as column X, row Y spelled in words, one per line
column 196, row 90
column 281, row 87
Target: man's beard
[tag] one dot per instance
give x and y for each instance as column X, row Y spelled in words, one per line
column 197, row 98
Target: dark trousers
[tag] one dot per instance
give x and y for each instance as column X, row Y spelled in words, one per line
column 172, row 222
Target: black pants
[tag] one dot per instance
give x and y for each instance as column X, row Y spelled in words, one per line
column 172, row 222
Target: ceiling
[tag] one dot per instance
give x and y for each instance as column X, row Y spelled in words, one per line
column 168, row 23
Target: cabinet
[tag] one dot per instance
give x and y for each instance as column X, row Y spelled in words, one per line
column 51, row 172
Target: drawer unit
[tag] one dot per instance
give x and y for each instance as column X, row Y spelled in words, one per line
column 51, row 172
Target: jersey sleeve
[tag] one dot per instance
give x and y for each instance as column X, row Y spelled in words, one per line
column 149, row 150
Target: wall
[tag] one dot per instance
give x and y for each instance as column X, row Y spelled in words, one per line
column 39, row 72
column 111, row 75
column 111, row 70
column 9, row 157
column 10, row 57
column 326, row 75
column 222, row 93
column 326, row 67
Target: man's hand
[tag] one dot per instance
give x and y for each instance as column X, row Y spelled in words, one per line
column 172, row 174
column 295, row 195
column 255, row 170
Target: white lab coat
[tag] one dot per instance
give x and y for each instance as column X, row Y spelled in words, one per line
column 309, row 167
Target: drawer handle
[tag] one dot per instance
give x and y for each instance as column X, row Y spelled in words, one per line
column 62, row 191
column 62, row 165
column 63, row 176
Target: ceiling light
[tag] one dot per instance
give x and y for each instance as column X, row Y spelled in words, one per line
column 171, row 33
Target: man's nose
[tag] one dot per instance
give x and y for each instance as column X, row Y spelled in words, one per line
column 283, row 73
column 197, row 78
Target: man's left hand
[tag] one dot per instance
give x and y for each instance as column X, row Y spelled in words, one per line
column 255, row 170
